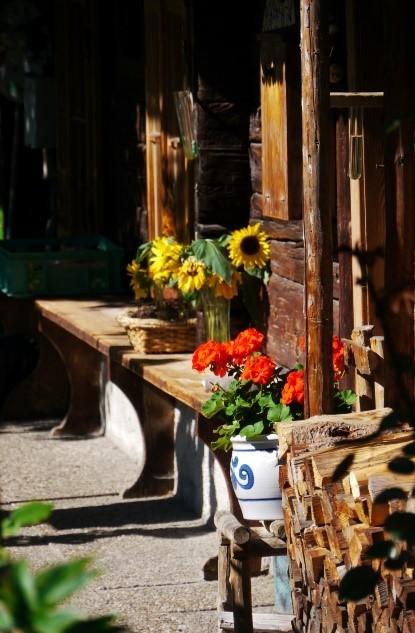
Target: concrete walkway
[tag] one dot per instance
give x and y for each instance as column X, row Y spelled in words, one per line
column 150, row 552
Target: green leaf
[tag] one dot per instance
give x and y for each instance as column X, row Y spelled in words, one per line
column 402, row 465
column 389, row 494
column 211, row 254
column 60, row 581
column 212, row 406
column 222, row 443
column 6, row 619
column 252, row 430
column 143, row 252
column 383, row 549
column 347, row 396
column 27, row 514
column 55, row 622
column 343, row 468
column 358, row 583
column 265, row 401
column 279, row 413
column 24, row 584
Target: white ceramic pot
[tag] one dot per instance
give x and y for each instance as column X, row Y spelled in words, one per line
column 254, row 475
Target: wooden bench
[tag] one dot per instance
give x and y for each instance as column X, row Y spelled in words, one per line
column 89, row 340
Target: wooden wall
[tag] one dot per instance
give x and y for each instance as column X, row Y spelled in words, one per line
column 226, row 70
column 286, row 286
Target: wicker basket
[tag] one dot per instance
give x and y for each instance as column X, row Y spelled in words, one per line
column 155, row 336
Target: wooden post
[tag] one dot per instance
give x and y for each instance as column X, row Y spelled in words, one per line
column 400, row 194
column 343, row 231
column 317, row 221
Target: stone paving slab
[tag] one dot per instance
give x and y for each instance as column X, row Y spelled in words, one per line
column 150, row 552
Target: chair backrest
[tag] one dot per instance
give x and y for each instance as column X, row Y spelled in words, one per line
column 364, row 352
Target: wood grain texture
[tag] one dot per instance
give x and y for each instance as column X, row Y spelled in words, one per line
column 94, row 322
column 281, row 175
column 286, row 319
column 400, row 195
column 343, row 225
column 317, row 216
column 330, row 527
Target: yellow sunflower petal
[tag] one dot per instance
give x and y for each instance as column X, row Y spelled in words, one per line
column 191, row 276
column 249, row 247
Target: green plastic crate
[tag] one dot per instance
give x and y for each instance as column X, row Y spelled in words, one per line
column 89, row 265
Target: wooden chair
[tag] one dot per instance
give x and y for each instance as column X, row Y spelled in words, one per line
column 239, row 545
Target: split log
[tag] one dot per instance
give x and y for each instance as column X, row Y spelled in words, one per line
column 330, row 526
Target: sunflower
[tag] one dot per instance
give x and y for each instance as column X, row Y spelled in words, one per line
column 221, row 288
column 164, row 259
column 139, row 280
column 191, row 276
column 249, row 247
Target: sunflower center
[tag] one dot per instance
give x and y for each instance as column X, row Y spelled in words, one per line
column 250, row 245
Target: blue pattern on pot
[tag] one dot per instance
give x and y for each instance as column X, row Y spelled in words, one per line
column 254, row 475
column 245, row 475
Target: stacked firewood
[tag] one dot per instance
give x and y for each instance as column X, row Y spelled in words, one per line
column 330, row 525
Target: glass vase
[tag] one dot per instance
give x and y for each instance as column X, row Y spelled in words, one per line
column 216, row 315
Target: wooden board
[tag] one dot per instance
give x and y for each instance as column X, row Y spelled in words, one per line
column 263, row 622
column 94, row 322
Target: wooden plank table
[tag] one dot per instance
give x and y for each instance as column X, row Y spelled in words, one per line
column 85, row 332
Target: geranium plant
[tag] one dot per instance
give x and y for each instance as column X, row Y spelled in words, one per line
column 260, row 393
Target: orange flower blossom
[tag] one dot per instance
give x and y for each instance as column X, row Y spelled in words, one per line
column 259, row 369
column 293, row 390
column 213, row 355
column 247, row 342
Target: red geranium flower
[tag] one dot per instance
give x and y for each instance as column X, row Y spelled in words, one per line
column 246, row 343
column 338, row 358
column 293, row 390
column 213, row 355
column 259, row 369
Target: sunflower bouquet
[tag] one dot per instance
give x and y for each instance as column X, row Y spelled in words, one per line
column 219, row 266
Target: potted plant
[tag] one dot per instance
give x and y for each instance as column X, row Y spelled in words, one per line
column 259, row 395
column 172, row 276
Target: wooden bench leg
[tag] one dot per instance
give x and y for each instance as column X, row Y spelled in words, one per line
column 83, row 365
column 224, row 587
column 205, row 429
column 240, row 581
column 156, row 415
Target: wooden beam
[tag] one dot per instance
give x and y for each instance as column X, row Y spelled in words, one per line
column 356, row 100
column 317, row 218
column 344, row 236
column 400, row 196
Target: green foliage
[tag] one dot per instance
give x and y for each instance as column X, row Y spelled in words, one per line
column 344, row 400
column 28, row 514
column 280, row 413
column 247, row 407
column 31, row 602
column 212, row 254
